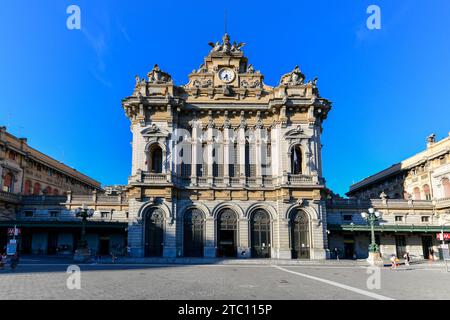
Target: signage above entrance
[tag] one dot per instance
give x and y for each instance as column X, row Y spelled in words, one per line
column 446, row 236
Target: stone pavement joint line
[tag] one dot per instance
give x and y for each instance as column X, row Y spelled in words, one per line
column 337, row 284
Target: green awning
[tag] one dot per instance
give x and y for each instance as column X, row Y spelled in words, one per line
column 387, row 228
column 63, row 224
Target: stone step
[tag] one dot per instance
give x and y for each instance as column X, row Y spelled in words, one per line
column 219, row 261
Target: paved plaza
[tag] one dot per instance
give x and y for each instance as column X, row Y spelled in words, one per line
column 47, row 279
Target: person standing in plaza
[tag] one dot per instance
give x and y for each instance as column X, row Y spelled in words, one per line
column 2, row 261
column 14, row 261
column 407, row 258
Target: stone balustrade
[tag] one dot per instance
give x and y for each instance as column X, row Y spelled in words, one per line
column 9, row 197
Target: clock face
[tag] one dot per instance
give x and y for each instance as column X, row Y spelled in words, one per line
column 226, row 75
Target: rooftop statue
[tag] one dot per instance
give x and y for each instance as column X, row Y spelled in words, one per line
column 158, row 76
column 226, row 46
column 295, row 77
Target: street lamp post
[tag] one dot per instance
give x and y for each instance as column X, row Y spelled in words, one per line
column 82, row 252
column 371, row 217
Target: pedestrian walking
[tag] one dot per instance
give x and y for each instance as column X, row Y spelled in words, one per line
column 407, row 258
column 336, row 251
column 14, row 261
column 431, row 256
column 393, row 260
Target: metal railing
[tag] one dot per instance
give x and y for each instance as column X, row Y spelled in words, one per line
column 9, row 197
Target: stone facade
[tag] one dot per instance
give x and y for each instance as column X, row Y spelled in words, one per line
column 227, row 145
column 405, row 226
column 424, row 176
column 34, row 189
column 27, row 171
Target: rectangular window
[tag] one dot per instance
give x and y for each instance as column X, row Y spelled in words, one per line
column 425, row 219
column 29, row 214
column 104, row 214
column 348, row 217
column 398, row 218
column 54, row 214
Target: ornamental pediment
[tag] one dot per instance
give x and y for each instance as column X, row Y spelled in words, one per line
column 154, row 131
column 297, row 133
column 293, row 78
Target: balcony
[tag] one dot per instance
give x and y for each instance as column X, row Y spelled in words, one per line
column 154, row 178
column 443, row 203
column 43, row 200
column 9, row 197
column 298, row 179
column 150, row 178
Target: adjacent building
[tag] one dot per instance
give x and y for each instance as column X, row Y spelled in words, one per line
column 424, row 176
column 33, row 195
column 414, row 199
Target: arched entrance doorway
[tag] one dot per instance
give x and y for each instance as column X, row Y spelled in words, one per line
column 154, row 232
column 227, row 233
column 193, row 233
column 300, row 235
column 260, row 234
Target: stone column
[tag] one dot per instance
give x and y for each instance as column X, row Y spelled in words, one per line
column 226, row 155
column 275, row 160
column 210, row 243
column 170, row 244
column 209, row 157
column 306, row 156
column 194, row 152
column 241, row 142
column 258, row 154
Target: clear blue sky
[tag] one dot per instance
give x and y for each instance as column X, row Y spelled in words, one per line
column 62, row 88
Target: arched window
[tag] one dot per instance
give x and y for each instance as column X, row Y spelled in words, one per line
column 260, row 234
column 155, row 157
column 300, row 235
column 193, row 233
column 36, row 189
column 296, row 160
column 446, row 187
column 8, row 181
column 416, row 193
column 47, row 191
column 27, row 187
column 427, row 192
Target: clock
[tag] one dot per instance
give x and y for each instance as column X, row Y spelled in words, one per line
column 226, row 75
